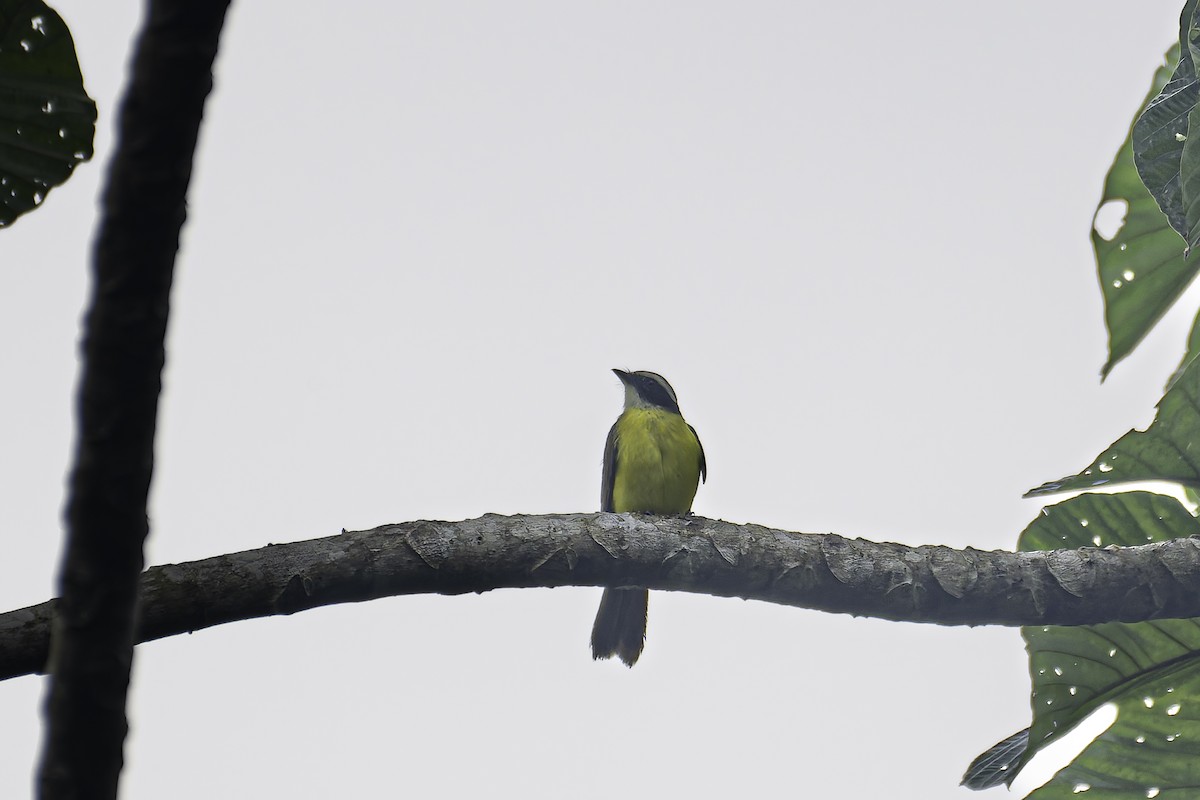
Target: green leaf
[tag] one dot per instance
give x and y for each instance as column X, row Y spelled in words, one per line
column 1160, row 132
column 47, row 120
column 1193, row 348
column 997, row 764
column 1150, row 751
column 1142, row 268
column 1190, row 163
column 1168, row 450
column 1150, row 670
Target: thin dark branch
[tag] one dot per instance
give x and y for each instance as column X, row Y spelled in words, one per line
column 825, row 572
column 142, row 211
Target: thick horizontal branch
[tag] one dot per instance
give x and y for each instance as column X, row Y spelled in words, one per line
column 824, row 572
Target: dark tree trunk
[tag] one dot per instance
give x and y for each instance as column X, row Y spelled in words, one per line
column 142, row 211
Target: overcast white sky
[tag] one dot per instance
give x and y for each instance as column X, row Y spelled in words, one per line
column 854, row 236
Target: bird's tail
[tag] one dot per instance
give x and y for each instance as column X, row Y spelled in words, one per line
column 620, row 627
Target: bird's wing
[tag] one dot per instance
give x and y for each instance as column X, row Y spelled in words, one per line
column 703, row 464
column 609, row 474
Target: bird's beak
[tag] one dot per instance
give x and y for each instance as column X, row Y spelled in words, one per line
column 623, row 375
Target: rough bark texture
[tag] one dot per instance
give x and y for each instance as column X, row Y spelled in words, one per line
column 825, row 572
column 142, row 211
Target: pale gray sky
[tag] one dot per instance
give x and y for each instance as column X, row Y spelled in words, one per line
column 853, row 236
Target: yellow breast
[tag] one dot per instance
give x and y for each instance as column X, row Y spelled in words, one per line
column 658, row 462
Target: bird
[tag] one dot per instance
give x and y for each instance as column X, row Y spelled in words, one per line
column 653, row 464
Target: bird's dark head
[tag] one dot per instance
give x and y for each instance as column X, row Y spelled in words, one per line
column 647, row 390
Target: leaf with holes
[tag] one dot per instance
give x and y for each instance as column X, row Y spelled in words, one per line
column 47, row 120
column 1150, row 670
column 1141, row 265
